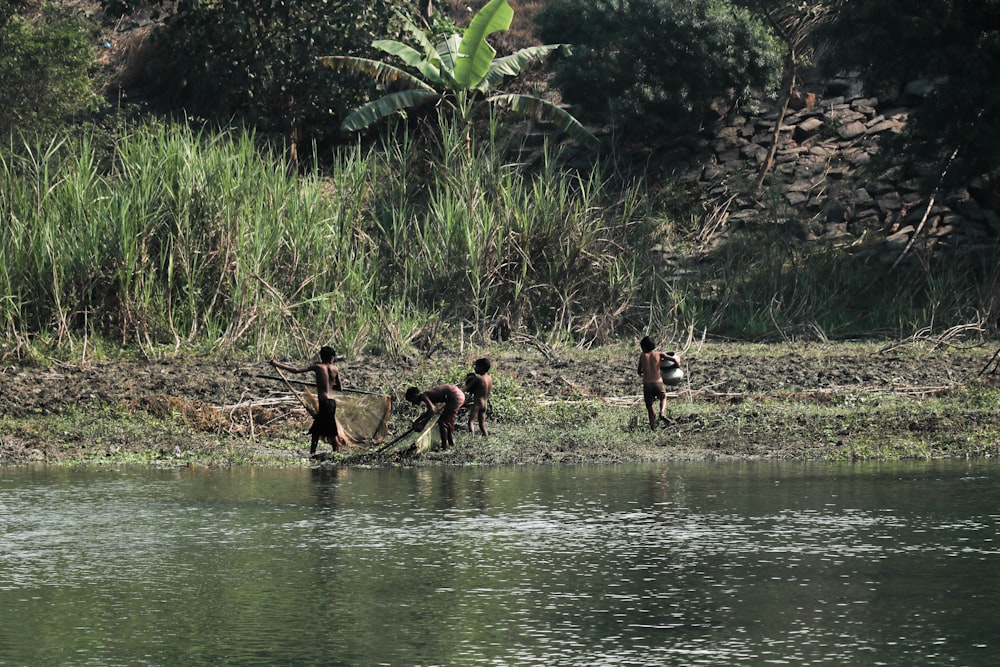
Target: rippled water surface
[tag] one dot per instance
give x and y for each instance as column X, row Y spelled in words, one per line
column 683, row 564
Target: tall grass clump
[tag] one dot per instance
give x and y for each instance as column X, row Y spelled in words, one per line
column 180, row 238
column 549, row 251
column 173, row 237
column 766, row 286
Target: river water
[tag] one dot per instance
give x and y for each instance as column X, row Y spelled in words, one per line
column 680, row 564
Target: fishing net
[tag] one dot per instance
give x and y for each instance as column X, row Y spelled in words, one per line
column 415, row 442
column 429, row 438
column 362, row 419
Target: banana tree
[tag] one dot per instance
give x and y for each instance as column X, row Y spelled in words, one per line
column 460, row 72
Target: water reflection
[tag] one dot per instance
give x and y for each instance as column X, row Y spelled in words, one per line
column 627, row 565
column 324, row 484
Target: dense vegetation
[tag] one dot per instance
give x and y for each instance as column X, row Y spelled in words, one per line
column 134, row 229
column 958, row 42
column 685, row 54
column 182, row 238
column 45, row 62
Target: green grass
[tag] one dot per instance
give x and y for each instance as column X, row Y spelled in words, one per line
column 575, row 430
column 171, row 238
column 182, row 238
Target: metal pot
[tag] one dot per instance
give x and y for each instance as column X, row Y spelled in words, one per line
column 672, row 375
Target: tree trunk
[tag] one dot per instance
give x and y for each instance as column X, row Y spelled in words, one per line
column 791, row 80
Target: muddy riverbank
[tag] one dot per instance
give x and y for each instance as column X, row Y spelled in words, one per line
column 739, row 401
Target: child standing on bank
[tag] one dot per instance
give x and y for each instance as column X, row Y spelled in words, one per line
column 327, row 380
column 651, row 361
column 480, row 385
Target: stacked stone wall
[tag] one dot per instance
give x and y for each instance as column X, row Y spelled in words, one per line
column 817, row 180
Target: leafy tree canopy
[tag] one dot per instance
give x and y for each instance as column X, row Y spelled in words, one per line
column 659, row 61
column 46, row 57
column 953, row 44
column 257, row 59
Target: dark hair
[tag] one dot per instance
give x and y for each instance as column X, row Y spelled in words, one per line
column 327, row 353
column 647, row 344
column 483, row 363
column 413, row 395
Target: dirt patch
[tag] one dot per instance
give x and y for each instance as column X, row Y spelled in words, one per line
column 227, row 400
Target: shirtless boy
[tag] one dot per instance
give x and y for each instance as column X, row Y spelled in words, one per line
column 452, row 399
column 327, row 380
column 653, row 388
column 480, row 385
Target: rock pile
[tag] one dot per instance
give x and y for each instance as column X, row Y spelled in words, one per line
column 816, row 179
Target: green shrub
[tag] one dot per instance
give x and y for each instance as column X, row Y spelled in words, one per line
column 46, row 59
column 258, row 61
column 658, row 61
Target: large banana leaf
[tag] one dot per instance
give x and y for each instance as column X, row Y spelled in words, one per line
column 378, row 71
column 536, row 107
column 411, row 57
column 459, row 66
column 404, row 52
column 475, row 54
column 448, row 52
column 425, row 43
column 514, row 64
column 385, row 106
